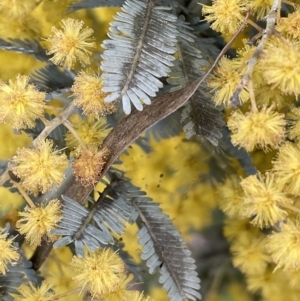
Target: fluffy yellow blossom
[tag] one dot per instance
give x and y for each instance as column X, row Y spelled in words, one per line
column 119, row 293
column 89, row 96
column 239, row 229
column 224, row 82
column 284, row 246
column 136, row 296
column 294, row 130
column 28, row 292
column 39, row 168
column 8, row 254
column 249, row 255
column 71, row 43
column 261, row 7
column 17, row 8
column 279, row 72
column 269, row 283
column 100, row 272
column 88, row 164
column 287, row 168
column 263, row 129
column 266, row 94
column 20, row 103
column 226, row 16
column 262, row 200
column 290, row 26
column 230, row 196
column 36, row 222
column 91, row 130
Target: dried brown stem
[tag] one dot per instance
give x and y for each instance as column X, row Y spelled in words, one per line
column 267, row 33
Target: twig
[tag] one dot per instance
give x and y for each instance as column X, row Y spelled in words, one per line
column 54, row 123
column 128, row 130
column 267, row 33
column 69, row 126
column 74, row 291
column 24, row 194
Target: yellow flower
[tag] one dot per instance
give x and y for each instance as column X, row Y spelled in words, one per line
column 37, row 222
column 263, row 129
column 261, row 7
column 265, row 94
column 8, row 254
column 269, row 283
column 236, row 229
column 28, row 292
column 287, row 168
column 71, row 43
column 230, row 196
column 224, row 82
column 226, row 16
column 91, row 131
column 290, row 26
column 250, row 255
column 294, row 117
column 89, row 96
column 40, row 168
column 262, row 200
column 284, row 246
column 20, row 103
column 88, row 165
column 17, row 8
column 280, row 72
column 100, row 272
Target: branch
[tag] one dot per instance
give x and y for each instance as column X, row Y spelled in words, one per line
column 267, row 33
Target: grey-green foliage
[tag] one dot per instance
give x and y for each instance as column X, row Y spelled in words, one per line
column 140, row 54
column 120, row 202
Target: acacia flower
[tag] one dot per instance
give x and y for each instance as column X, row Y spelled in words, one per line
column 262, row 200
column 294, row 117
column 36, row 222
column 263, row 129
column 9, row 253
column 17, row 8
column 89, row 96
column 230, row 196
column 250, row 256
column 91, row 130
column 39, row 168
column 20, row 103
column 71, row 43
column 261, row 7
column 28, row 292
column 284, row 246
column 100, row 272
column 290, row 26
column 88, row 164
column 226, row 16
column 282, row 73
column 287, row 168
column 224, row 82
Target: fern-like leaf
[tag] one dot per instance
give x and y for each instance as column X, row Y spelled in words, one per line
column 95, row 3
column 200, row 116
column 111, row 211
column 164, row 248
column 26, row 46
column 51, row 78
column 140, row 50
